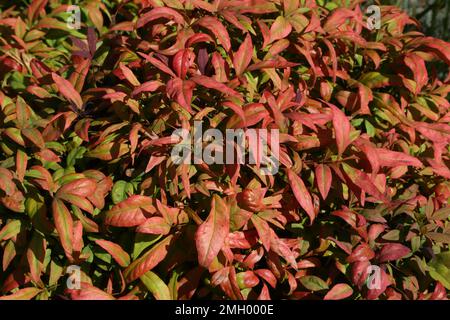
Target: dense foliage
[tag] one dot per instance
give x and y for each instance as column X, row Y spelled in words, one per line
column 86, row 177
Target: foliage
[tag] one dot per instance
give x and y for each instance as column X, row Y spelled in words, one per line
column 86, row 176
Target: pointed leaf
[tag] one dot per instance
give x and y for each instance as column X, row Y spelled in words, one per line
column 131, row 212
column 210, row 236
column 393, row 251
column 116, row 251
column 301, row 193
column 323, row 179
column 149, row 260
column 243, row 57
column 64, row 225
column 22, row 294
column 216, row 27
column 156, row 286
column 339, row 292
column 67, row 90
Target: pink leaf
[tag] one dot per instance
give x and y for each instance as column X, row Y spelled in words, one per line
column 342, row 128
column 216, row 27
column 116, row 251
column 323, row 179
column 89, row 292
column 213, row 84
column 301, row 193
column 129, row 75
column 210, row 236
column 148, row 260
column 158, row 64
column 393, row 251
column 67, row 90
column 280, row 29
column 338, row 292
column 242, row 58
column 388, row 158
column 160, row 12
column 131, row 212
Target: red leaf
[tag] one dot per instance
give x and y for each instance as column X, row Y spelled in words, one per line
column 388, row 158
column 221, row 68
column 264, row 295
column 332, row 57
column 281, row 248
column 280, row 29
column 149, row 260
column 154, row 225
column 210, row 236
column 131, row 212
column 337, row 18
column 365, row 96
column 277, row 62
column 158, row 64
column 301, row 193
column 439, row 47
column 247, row 279
column 361, row 253
column 129, row 75
column 347, row 215
column 419, row 70
column 34, row 136
column 213, row 84
column 79, row 187
column 67, row 90
column 267, row 275
column 323, row 179
column 64, row 225
column 21, row 164
column 436, row 132
column 116, row 251
column 237, row 109
column 148, row 86
column 393, row 251
column 243, row 57
column 160, row 12
column 185, row 179
column 338, row 292
column 181, row 91
column 364, row 182
column 253, row 113
column 342, row 128
column 439, row 292
column 263, row 229
column 216, row 27
column 89, row 292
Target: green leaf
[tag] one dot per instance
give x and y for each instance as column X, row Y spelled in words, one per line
column 11, row 229
column 116, row 251
column 149, row 260
column 121, row 190
column 22, row 294
column 156, row 286
column 64, row 225
column 439, row 268
column 142, row 241
column 313, row 283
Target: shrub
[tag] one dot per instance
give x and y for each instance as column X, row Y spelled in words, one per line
column 87, row 178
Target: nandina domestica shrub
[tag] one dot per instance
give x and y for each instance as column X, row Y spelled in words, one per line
column 93, row 205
